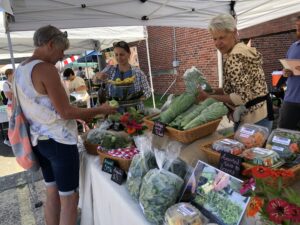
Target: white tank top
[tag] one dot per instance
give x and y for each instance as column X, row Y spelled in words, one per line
column 39, row 111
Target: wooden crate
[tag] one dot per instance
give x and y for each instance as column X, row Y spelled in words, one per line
column 189, row 135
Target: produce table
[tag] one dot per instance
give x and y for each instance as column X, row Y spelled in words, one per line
column 104, row 202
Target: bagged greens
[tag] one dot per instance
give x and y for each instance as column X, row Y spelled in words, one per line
column 108, row 139
column 159, row 191
column 193, row 79
column 178, row 167
column 160, row 188
column 140, row 165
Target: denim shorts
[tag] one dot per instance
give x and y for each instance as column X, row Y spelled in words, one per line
column 59, row 164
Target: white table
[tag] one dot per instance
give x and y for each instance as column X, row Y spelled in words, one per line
column 102, row 201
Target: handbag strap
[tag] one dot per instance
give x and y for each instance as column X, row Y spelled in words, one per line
column 15, row 91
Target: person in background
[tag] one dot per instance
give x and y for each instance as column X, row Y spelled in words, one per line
column 289, row 116
column 77, row 85
column 53, row 127
column 124, row 70
column 7, row 90
column 244, row 78
column 80, row 73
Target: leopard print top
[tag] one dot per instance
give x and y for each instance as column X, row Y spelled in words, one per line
column 243, row 74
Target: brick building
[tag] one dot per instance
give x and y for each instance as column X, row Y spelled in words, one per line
column 194, row 47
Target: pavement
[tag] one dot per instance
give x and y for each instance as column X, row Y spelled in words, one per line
column 20, row 197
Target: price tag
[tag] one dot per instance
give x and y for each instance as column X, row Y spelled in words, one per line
column 118, row 175
column 108, row 165
column 159, row 129
column 230, row 164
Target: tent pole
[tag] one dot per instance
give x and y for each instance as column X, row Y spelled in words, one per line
column 89, row 80
column 149, row 66
column 10, row 49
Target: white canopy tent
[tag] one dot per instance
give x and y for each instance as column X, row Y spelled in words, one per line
column 80, row 39
column 30, row 14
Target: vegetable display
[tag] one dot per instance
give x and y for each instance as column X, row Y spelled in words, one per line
column 210, row 113
column 178, row 167
column 285, row 142
column 108, row 139
column 188, row 118
column 140, row 165
column 194, row 79
column 178, row 105
column 160, row 189
column 177, row 121
column 251, row 135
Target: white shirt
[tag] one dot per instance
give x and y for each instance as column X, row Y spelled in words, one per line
column 40, row 112
column 7, row 88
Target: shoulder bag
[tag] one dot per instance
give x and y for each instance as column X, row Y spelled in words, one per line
column 19, row 136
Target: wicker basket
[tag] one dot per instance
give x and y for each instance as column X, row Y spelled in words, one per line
column 91, row 148
column 213, row 158
column 124, row 164
column 186, row 136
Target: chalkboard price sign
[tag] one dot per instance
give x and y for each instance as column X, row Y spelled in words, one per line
column 230, row 164
column 159, row 129
column 108, row 165
column 118, row 175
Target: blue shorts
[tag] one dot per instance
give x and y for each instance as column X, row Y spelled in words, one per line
column 59, row 164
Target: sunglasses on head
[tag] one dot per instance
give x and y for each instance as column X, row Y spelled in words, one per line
column 121, row 44
column 64, row 34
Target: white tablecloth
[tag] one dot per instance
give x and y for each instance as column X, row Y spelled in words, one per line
column 102, row 201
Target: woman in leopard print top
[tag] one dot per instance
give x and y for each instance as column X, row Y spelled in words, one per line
column 244, row 78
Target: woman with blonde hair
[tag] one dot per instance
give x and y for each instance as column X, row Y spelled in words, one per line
column 245, row 88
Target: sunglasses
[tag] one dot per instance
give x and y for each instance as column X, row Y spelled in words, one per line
column 63, row 34
column 121, row 44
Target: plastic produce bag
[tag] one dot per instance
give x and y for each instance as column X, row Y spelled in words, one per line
column 183, row 214
column 96, row 134
column 193, row 79
column 174, row 164
column 160, row 189
column 140, row 165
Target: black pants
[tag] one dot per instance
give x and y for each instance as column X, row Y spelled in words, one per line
column 289, row 117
